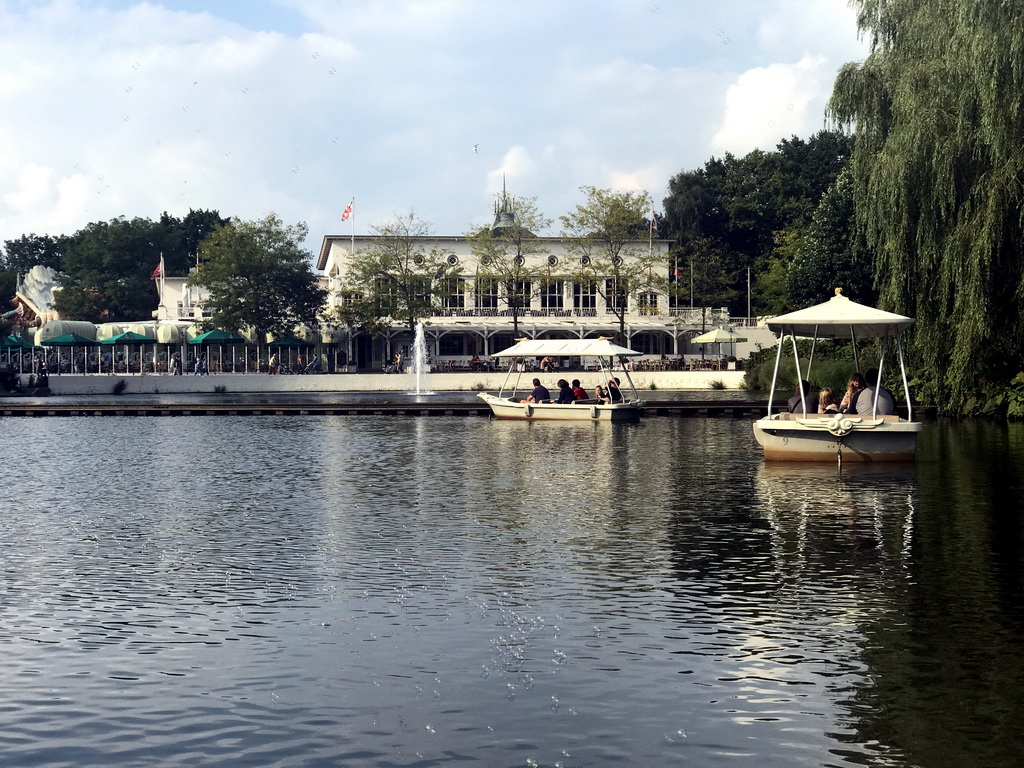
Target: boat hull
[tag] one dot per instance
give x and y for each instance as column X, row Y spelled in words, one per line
column 513, row 409
column 787, row 437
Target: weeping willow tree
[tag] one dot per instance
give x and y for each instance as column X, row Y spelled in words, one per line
column 938, row 113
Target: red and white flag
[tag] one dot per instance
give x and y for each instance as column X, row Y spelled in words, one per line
column 347, row 213
column 158, row 271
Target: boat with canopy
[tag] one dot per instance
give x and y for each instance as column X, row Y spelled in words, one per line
column 864, row 437
column 597, row 357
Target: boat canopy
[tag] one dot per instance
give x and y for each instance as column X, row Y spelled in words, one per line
column 566, row 348
column 840, row 318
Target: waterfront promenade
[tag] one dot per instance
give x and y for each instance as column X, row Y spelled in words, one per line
column 256, row 383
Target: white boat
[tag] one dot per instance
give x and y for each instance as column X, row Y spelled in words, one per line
column 607, row 358
column 839, row 436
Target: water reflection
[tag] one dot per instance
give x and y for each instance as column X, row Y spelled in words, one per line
column 382, row 591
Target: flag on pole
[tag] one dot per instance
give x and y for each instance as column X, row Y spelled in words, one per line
column 654, row 220
column 347, row 213
column 159, row 269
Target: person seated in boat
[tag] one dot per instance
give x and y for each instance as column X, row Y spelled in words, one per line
column 614, row 395
column 565, row 393
column 854, row 388
column 600, row 395
column 802, row 400
column 540, row 394
column 827, row 401
column 865, row 404
column 578, row 392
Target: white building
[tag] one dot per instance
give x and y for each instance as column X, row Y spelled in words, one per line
column 473, row 318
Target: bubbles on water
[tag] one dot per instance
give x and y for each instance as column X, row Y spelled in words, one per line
column 485, row 672
column 335, row 140
column 430, row 728
column 245, row 91
column 316, row 55
column 333, row 70
column 725, row 41
column 295, row 169
column 654, row 9
column 128, row 89
column 554, row 703
column 531, row 762
column 676, row 736
column 136, row 65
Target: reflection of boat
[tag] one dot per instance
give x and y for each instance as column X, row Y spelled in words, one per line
column 604, row 356
column 846, row 436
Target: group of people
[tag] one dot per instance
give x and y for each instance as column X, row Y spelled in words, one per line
column 574, row 393
column 860, row 398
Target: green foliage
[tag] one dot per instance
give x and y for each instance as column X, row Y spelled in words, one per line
column 752, row 212
column 106, row 267
column 937, row 179
column 606, row 235
column 397, row 277
column 998, row 400
column 259, row 277
column 832, row 366
column 29, row 250
column 831, row 254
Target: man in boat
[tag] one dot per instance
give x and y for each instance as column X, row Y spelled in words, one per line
column 802, row 400
column 540, row 393
column 865, row 403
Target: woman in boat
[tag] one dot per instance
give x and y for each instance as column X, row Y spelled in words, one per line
column 600, row 395
column 857, row 385
column 565, row 393
column 614, row 395
column 827, row 401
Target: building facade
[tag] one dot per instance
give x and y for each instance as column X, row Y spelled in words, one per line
column 472, row 316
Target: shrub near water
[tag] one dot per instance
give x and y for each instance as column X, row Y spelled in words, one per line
column 833, row 364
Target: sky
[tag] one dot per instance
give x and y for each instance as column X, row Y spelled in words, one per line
column 298, row 107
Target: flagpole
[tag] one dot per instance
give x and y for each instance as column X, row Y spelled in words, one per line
column 352, row 205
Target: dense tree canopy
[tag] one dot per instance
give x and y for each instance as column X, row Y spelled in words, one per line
column 938, row 170
column 830, row 254
column 259, row 277
column 105, row 268
column 750, row 212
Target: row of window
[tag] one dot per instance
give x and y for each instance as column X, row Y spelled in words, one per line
column 489, row 294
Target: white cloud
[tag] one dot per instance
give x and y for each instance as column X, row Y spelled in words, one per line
column 769, row 103
column 118, row 107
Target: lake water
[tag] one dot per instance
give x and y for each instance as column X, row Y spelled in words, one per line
column 389, row 591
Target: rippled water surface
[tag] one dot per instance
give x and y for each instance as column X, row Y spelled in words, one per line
column 388, row 591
